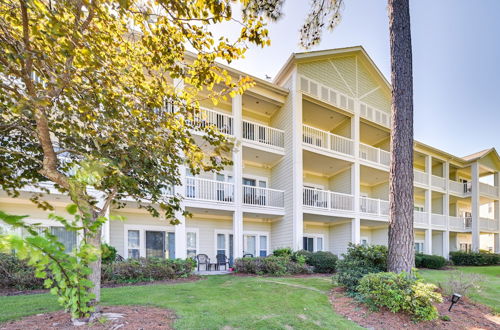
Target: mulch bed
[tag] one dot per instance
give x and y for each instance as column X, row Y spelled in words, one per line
column 464, row 315
column 133, row 318
column 15, row 292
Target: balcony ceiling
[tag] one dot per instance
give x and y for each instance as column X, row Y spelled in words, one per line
column 321, row 117
column 323, row 165
column 259, row 106
column 372, row 224
column 371, row 176
column 316, row 219
column 372, row 135
column 260, row 157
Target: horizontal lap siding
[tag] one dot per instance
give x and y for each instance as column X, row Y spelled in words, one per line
column 341, row 182
column 340, row 236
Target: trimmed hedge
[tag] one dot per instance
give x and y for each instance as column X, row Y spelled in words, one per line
column 272, row 265
column 322, row 261
column 15, row 273
column 429, row 261
column 359, row 261
column 460, row 258
column 146, row 270
column 400, row 293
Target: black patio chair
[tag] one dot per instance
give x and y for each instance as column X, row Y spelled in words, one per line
column 203, row 259
column 222, row 260
column 119, row 258
column 248, row 255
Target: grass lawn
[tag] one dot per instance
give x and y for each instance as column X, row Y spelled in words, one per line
column 215, row 302
column 489, row 293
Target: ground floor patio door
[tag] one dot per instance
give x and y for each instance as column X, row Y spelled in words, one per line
column 155, row 244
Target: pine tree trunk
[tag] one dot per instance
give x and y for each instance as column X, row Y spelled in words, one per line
column 401, row 251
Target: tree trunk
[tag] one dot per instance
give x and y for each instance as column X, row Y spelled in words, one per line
column 401, row 247
column 95, row 240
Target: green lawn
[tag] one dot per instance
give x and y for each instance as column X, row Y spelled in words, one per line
column 489, row 293
column 215, row 302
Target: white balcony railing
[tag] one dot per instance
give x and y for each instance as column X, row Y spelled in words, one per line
column 209, row 190
column 459, row 188
column 327, row 141
column 263, row 134
column 207, row 117
column 375, row 155
column 487, row 189
column 373, row 114
column 420, row 177
column 373, row 206
column 438, row 220
column 263, row 196
column 460, row 223
column 329, row 200
column 488, row 224
column 420, row 218
column 438, row 182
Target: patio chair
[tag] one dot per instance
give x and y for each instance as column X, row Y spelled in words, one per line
column 222, row 260
column 248, row 255
column 203, row 259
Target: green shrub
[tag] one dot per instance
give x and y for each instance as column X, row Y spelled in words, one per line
column 144, row 270
column 108, row 253
column 460, row 258
column 322, row 261
column 16, row 273
column 429, row 261
column 359, row 261
column 272, row 265
column 399, row 293
column 283, row 252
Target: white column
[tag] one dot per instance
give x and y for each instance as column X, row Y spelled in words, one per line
column 428, row 191
column 237, row 109
column 180, row 229
column 298, row 168
column 446, row 212
column 356, row 177
column 475, row 206
column 496, row 210
column 428, row 241
column 496, row 243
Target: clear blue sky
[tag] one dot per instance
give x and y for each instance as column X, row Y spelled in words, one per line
column 456, row 63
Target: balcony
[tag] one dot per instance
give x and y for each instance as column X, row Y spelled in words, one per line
column 420, row 177
column 209, row 190
column 438, row 220
column 327, row 200
column 488, row 190
column 326, row 141
column 219, row 120
column 263, row 196
column 263, row 135
column 374, row 206
column 438, row 182
column 487, row 224
column 374, row 155
column 459, row 188
column 460, row 223
column 420, row 218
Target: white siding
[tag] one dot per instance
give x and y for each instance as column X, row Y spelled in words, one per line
column 340, row 236
column 341, row 182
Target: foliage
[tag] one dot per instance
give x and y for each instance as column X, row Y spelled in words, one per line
column 322, row 261
column 16, row 273
column 460, row 258
column 429, row 261
column 283, row 252
column 146, row 270
column 462, row 283
column 108, row 253
column 359, row 261
column 68, row 271
column 400, row 293
column 272, row 266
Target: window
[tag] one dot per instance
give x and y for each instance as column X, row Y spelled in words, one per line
column 221, row 244
column 133, row 244
column 419, row 247
column 364, row 241
column 466, row 247
column 418, row 208
column 263, row 246
column 312, row 243
column 191, row 244
column 68, row 238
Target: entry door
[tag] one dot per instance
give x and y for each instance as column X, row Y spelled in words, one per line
column 250, row 245
column 155, row 244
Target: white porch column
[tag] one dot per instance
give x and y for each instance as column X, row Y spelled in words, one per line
column 446, row 212
column 237, row 109
column 475, row 206
column 428, row 191
column 356, row 177
column 428, row 241
column 496, row 210
column 180, row 229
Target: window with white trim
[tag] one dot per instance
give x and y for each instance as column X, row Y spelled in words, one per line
column 133, row 244
column 313, row 243
column 256, row 244
column 67, row 237
column 419, row 246
column 191, row 244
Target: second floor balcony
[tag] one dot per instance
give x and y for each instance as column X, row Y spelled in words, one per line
column 263, row 135
column 327, row 200
column 326, row 141
column 374, row 155
column 374, row 206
